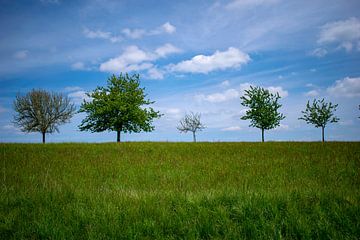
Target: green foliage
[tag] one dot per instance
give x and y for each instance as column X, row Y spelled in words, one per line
column 191, row 123
column 180, row 191
column 263, row 108
column 42, row 111
column 118, row 107
column 320, row 113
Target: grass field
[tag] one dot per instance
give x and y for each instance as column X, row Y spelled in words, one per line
column 180, row 190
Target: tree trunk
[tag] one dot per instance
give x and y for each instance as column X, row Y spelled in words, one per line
column 194, row 137
column 322, row 131
column 118, row 136
column 262, row 135
column 43, row 137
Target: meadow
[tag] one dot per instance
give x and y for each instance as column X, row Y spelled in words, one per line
column 143, row 190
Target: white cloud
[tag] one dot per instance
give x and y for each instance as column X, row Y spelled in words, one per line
column 98, row 34
column 168, row 28
column 155, row 73
column 231, row 129
column 283, row 93
column 136, row 59
column 231, row 58
column 312, row 93
column 72, row 88
column 138, row 33
column 225, row 83
column 80, row 66
column 167, row 49
column 78, row 96
column 11, row 128
column 134, row 34
column 173, row 110
column 22, row 54
column 345, row 33
column 319, row 52
column 233, row 93
column 132, row 59
column 172, row 113
column 240, row 4
column 347, row 87
column 219, row 97
column 282, row 127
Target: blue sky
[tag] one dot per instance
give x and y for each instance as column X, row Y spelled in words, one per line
column 195, row 56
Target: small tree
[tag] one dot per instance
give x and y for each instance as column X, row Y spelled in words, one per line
column 191, row 123
column 118, row 107
column 42, row 111
column 320, row 113
column 263, row 109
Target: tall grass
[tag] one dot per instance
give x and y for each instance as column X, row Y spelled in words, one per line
column 180, row 190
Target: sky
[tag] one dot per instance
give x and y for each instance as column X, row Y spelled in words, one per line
column 192, row 56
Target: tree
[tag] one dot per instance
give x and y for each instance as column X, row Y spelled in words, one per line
column 320, row 113
column 42, row 111
column 118, row 107
column 191, row 123
column 263, row 109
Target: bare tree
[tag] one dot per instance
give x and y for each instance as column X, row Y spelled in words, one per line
column 191, row 123
column 42, row 111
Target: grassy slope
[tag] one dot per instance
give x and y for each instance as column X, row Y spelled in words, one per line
column 180, row 190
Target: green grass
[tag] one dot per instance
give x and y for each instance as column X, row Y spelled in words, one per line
column 180, row 191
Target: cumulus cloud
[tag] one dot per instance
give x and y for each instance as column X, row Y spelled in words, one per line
column 312, row 93
column 79, row 66
column 135, row 59
column 20, row 55
column 231, row 129
column 167, row 49
column 231, row 58
column 171, row 113
column 219, row 97
column 345, row 34
column 233, row 93
column 347, row 87
column 98, row 34
column 78, row 96
column 168, row 28
column 155, row 73
column 132, row 59
column 283, row 93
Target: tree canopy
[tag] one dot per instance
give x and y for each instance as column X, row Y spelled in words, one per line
column 42, row 111
column 320, row 113
column 120, row 107
column 263, row 108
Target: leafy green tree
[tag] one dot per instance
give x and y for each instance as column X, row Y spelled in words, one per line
column 320, row 113
column 118, row 107
column 42, row 111
column 191, row 123
column 263, row 109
